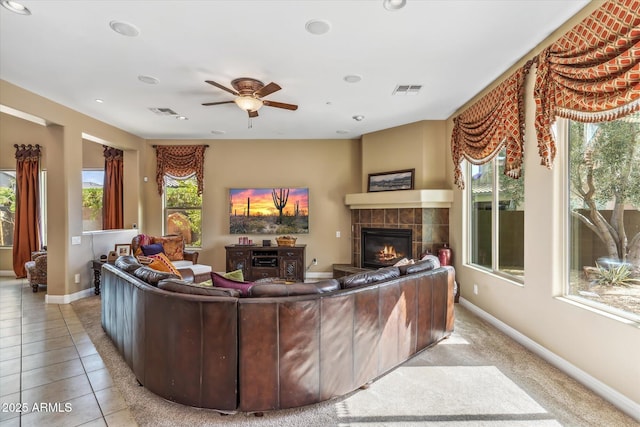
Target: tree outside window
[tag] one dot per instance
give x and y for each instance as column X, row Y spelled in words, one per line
column 7, row 206
column 496, row 218
column 183, row 209
column 92, row 192
column 604, row 220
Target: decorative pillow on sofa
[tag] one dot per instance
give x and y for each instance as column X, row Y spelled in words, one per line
column 152, row 249
column 423, row 265
column 161, row 263
column 183, row 287
column 222, row 282
column 173, row 246
column 235, row 275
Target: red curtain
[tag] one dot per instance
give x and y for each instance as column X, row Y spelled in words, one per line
column 494, row 122
column 591, row 74
column 112, row 196
column 180, row 161
column 26, row 231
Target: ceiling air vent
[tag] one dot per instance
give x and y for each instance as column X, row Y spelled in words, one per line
column 163, row 111
column 407, row 89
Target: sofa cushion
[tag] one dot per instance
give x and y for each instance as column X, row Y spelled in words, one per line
column 161, row 263
column 152, row 249
column 127, row 263
column 418, row 266
column 173, row 246
column 152, row 276
column 222, row 282
column 281, row 289
column 180, row 286
column 366, row 277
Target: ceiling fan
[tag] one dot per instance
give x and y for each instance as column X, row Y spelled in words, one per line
column 249, row 93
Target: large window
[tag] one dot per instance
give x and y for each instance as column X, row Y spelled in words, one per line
column 603, row 216
column 183, row 209
column 7, row 206
column 92, row 186
column 496, row 215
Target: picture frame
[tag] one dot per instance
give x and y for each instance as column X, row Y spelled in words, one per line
column 123, row 249
column 391, row 181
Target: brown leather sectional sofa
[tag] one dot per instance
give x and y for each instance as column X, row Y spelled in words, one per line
column 257, row 354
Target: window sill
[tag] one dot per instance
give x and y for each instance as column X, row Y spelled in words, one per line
column 602, row 310
column 514, row 280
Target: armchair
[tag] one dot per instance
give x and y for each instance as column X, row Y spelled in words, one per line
column 143, row 239
column 37, row 269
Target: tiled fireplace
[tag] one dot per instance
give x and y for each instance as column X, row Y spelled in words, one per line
column 429, row 228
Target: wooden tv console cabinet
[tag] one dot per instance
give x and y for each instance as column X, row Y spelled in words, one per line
column 258, row 262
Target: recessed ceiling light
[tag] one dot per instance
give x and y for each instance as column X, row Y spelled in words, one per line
column 99, row 101
column 342, row 131
column 318, row 26
column 394, row 4
column 352, row 78
column 218, row 132
column 15, row 7
column 358, row 118
column 182, row 118
column 148, row 80
column 124, row 28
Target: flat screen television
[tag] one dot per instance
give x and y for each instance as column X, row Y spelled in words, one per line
column 280, row 211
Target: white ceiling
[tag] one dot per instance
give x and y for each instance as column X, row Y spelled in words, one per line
column 66, row 51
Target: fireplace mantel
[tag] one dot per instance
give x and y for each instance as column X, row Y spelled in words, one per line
column 400, row 199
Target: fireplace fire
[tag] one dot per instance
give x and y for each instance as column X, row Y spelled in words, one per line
column 382, row 247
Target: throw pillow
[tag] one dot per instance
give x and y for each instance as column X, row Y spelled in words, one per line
column 161, row 263
column 152, row 249
column 222, row 282
column 235, row 275
column 172, row 246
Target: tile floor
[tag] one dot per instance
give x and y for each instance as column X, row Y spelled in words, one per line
column 50, row 372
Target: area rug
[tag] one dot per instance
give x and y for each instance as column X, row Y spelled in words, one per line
column 478, row 377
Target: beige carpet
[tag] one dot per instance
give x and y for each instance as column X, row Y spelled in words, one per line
column 478, row 377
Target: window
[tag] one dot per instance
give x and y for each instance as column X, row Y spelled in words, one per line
column 92, row 186
column 602, row 215
column 7, row 206
column 496, row 216
column 183, row 209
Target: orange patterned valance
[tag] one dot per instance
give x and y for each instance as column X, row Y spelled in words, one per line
column 591, row 74
column 180, row 161
column 495, row 121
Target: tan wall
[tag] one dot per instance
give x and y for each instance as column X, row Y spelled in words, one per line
column 420, row 146
column 63, row 145
column 329, row 168
column 598, row 344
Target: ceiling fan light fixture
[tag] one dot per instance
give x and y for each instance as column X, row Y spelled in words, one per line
column 394, row 4
column 248, row 103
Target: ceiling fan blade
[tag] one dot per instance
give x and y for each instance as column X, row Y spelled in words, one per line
column 253, row 113
column 280, row 105
column 206, row 104
column 267, row 90
column 219, row 86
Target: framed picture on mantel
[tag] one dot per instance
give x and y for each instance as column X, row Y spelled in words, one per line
column 391, row 181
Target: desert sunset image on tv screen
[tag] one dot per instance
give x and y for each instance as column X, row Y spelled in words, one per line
column 269, row 210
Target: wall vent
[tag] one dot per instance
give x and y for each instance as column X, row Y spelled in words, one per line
column 407, row 89
column 163, row 111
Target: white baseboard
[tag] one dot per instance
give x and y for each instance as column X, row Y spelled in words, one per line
column 616, row 398
column 318, row 275
column 66, row 299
